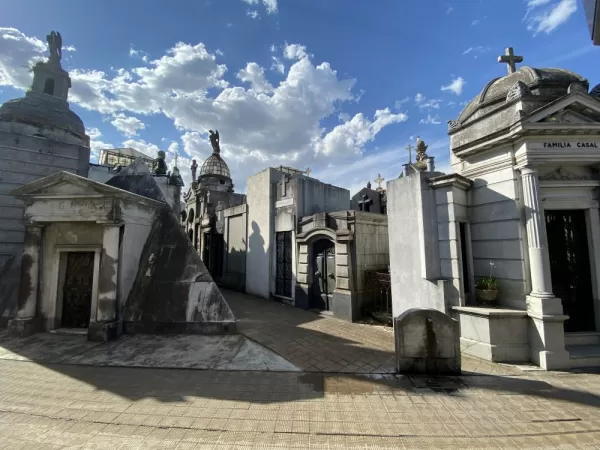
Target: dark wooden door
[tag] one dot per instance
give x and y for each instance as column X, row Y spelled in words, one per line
column 77, row 290
column 570, row 267
column 324, row 279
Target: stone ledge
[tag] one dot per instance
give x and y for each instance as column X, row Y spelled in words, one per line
column 490, row 312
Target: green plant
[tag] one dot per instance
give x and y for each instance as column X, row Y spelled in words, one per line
column 488, row 283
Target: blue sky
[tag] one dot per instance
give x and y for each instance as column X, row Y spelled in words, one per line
column 340, row 86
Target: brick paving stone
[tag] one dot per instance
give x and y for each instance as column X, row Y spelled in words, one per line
column 154, row 408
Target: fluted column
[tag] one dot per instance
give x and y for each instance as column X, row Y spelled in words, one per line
column 539, row 260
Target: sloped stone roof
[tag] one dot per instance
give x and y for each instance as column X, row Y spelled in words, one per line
column 550, row 83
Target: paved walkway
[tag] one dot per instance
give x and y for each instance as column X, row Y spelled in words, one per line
column 67, row 406
column 319, row 343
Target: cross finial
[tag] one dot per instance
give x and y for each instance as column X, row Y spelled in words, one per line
column 510, row 59
column 409, row 149
column 176, row 158
column 378, row 180
column 308, row 171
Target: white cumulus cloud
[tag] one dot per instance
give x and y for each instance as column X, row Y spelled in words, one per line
column 545, row 16
column 269, row 5
column 127, row 125
column 456, row 86
column 430, row 120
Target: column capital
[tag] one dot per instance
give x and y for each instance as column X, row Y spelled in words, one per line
column 529, row 170
column 34, row 227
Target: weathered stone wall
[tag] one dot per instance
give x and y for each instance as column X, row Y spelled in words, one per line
column 371, row 243
column 27, row 153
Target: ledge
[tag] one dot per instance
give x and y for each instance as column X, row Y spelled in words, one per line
column 490, row 312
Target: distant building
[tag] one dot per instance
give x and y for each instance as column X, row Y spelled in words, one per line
column 592, row 13
column 112, row 160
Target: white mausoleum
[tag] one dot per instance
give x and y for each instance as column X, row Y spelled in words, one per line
column 522, row 206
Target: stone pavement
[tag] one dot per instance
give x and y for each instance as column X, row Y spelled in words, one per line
column 84, row 407
column 319, row 343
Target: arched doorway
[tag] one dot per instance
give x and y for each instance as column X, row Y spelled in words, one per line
column 323, row 264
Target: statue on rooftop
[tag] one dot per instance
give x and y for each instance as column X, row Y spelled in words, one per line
column 215, row 141
column 159, row 166
column 421, row 148
column 194, row 168
column 54, row 41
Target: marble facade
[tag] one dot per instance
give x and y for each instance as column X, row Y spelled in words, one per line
column 525, row 154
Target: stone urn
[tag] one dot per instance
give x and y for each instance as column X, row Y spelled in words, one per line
column 486, row 297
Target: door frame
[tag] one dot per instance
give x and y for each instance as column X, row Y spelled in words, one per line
column 313, row 270
column 578, row 195
column 59, row 267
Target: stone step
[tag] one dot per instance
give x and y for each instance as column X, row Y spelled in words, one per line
column 584, row 355
column 70, row 331
column 582, row 338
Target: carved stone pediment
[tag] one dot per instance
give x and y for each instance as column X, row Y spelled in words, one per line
column 568, row 116
column 562, row 174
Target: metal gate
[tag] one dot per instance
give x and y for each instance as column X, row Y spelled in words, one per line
column 77, row 290
column 324, row 264
column 570, row 267
column 283, row 271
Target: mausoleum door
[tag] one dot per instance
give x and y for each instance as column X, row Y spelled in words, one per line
column 283, row 268
column 324, row 280
column 570, row 267
column 77, row 290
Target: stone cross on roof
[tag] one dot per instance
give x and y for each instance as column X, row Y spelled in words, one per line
column 510, row 59
column 378, row 180
column 409, row 149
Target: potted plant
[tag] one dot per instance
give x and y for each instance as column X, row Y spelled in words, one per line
column 486, row 289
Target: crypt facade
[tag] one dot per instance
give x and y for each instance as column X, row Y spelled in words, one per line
column 521, row 206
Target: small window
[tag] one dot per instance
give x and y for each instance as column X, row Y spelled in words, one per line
column 222, row 181
column 49, row 86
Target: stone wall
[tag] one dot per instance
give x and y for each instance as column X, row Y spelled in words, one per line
column 497, row 232
column 260, row 200
column 371, row 245
column 236, row 239
column 27, row 153
column 414, row 245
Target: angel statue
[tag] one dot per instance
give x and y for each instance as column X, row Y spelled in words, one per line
column 215, row 141
column 54, row 40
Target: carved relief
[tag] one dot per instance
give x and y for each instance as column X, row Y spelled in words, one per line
column 562, row 174
column 577, row 86
column 518, row 90
column 453, row 125
column 567, row 117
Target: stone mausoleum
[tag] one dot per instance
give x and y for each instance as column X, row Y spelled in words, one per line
column 291, row 238
column 39, row 135
column 522, row 207
column 97, row 257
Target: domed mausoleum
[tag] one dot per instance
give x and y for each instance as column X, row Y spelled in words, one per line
column 517, row 225
column 39, row 136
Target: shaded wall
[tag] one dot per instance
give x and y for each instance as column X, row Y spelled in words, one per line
column 236, row 239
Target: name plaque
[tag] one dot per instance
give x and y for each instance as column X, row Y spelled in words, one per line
column 83, row 207
column 570, row 144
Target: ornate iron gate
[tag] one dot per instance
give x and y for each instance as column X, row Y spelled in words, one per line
column 570, row 267
column 283, row 272
column 77, row 290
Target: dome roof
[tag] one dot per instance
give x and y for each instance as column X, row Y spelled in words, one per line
column 547, row 83
column 42, row 109
column 215, row 165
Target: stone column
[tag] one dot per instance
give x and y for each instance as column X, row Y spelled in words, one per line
column 26, row 322
column 345, row 297
column 546, row 334
column 539, row 260
column 107, row 326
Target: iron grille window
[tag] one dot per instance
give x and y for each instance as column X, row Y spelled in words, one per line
column 283, row 282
